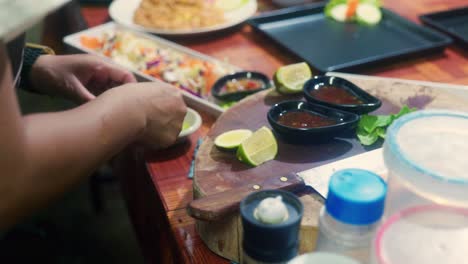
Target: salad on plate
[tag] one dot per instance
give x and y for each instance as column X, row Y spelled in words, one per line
column 149, row 57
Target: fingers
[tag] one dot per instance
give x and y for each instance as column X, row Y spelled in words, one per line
column 165, row 111
column 79, row 92
column 117, row 74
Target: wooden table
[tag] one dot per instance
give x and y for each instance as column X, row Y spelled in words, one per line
column 156, row 185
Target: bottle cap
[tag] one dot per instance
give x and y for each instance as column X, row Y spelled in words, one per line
column 356, row 196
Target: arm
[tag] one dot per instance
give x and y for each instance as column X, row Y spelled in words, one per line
column 43, row 155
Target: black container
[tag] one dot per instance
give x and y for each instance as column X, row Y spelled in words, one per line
column 345, row 121
column 271, row 243
column 236, row 96
column 369, row 102
column 453, row 22
column 329, row 45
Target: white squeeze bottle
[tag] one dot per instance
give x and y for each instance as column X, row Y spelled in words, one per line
column 354, row 206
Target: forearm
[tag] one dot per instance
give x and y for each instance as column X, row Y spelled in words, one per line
column 63, row 148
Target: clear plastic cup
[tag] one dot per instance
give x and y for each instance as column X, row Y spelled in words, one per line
column 426, row 153
column 429, row 234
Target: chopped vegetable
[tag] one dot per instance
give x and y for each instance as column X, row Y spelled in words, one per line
column 191, row 74
column 362, row 11
column 339, row 12
column 352, row 6
column 368, row 14
column 373, row 127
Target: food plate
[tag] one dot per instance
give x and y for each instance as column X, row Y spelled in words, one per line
column 204, row 100
column 122, row 11
column 328, row 45
column 452, row 22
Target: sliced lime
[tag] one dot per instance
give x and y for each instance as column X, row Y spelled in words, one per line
column 258, row 148
column 368, row 14
column 338, row 12
column 232, row 139
column 291, row 78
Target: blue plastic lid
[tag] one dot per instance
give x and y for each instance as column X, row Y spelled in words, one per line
column 356, row 196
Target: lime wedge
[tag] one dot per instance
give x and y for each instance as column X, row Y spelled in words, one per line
column 232, row 139
column 258, row 148
column 368, row 14
column 229, row 5
column 291, row 78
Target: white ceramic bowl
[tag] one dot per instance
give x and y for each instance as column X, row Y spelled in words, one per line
column 194, row 121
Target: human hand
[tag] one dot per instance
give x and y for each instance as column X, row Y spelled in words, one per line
column 79, row 78
column 160, row 105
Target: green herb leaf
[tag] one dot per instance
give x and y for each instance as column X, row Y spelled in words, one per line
column 380, row 131
column 403, row 111
column 366, row 138
column 377, row 3
column 383, row 121
column 371, row 127
column 371, row 122
column 367, row 122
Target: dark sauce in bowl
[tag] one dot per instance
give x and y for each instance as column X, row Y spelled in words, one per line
column 304, row 119
column 335, row 95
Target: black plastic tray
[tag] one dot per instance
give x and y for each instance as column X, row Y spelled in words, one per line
column 328, row 45
column 453, row 22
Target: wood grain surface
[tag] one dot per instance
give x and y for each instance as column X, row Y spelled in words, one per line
column 242, row 47
column 221, row 180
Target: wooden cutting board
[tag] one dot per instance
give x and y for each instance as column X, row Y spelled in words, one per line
column 217, row 171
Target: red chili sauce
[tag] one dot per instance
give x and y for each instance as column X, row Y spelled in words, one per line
column 240, row 85
column 335, row 95
column 304, row 119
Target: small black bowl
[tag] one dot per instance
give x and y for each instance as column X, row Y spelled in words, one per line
column 236, row 96
column 369, row 102
column 344, row 121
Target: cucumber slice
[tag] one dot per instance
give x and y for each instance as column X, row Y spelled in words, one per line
column 338, row 12
column 368, row 14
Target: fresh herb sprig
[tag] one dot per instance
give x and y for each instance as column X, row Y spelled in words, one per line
column 373, row 127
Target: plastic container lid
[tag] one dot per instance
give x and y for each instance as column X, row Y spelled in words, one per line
column 356, row 196
column 429, row 234
column 428, row 149
column 322, row 258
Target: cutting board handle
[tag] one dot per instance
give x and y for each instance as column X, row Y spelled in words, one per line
column 217, row 206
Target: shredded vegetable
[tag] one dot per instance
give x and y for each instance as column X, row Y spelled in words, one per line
column 141, row 54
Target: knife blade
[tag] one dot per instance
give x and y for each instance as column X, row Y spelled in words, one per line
column 319, row 177
column 217, row 206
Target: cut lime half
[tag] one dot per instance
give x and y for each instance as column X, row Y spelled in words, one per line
column 368, row 14
column 232, row 139
column 291, row 78
column 258, row 148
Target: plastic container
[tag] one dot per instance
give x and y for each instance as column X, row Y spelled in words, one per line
column 429, row 234
column 322, row 258
column 351, row 214
column 270, row 243
column 426, row 153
